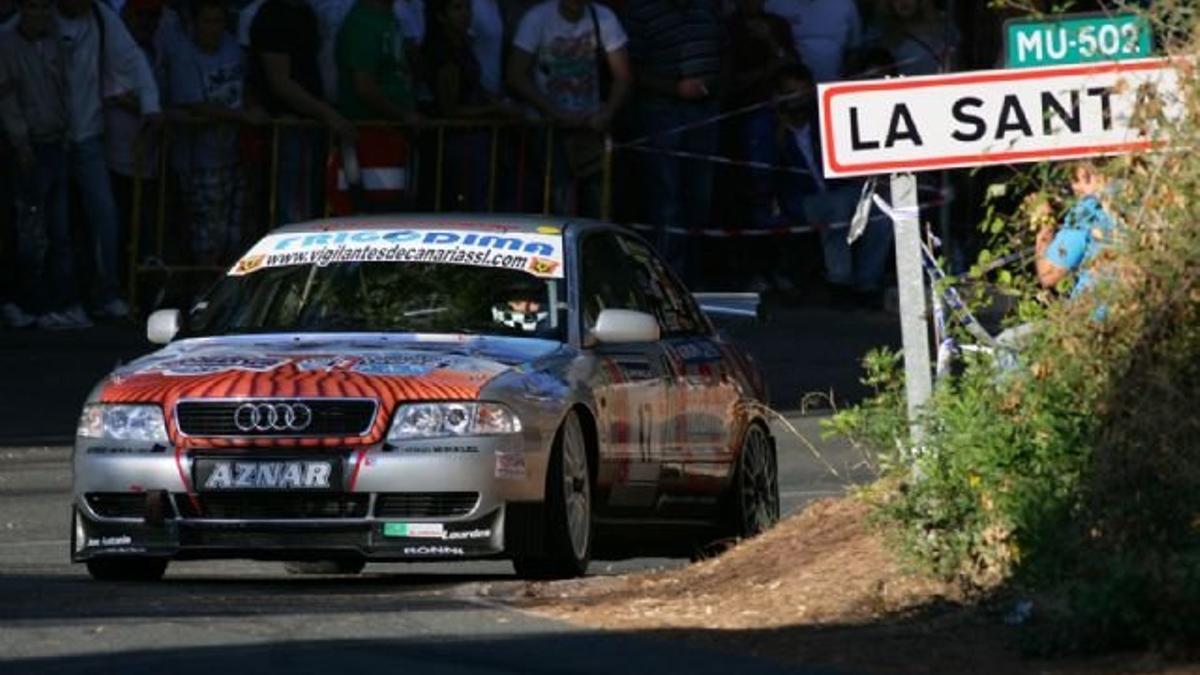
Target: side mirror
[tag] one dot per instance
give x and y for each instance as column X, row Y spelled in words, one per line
column 162, row 326
column 625, row 325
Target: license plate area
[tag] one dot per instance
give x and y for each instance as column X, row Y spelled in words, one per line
column 267, row 474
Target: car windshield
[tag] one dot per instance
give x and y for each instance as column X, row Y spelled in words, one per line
column 383, row 296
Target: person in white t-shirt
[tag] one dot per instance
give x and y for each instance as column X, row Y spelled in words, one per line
column 825, row 32
column 554, row 63
column 556, row 68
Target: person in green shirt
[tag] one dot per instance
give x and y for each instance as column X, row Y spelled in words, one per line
column 376, row 82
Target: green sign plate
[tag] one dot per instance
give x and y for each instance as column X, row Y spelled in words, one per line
column 1076, row 38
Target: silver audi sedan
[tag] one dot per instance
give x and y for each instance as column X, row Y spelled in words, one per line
column 418, row 388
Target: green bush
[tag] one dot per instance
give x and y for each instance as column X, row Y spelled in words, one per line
column 1075, row 477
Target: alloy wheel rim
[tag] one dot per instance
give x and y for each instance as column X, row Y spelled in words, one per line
column 760, row 506
column 576, row 488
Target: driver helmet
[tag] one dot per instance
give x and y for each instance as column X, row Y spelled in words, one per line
column 520, row 315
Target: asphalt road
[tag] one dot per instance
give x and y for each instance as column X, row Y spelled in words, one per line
column 252, row 616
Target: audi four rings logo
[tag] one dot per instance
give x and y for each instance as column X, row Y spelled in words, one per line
column 272, row 417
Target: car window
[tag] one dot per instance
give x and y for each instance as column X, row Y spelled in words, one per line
column 383, row 296
column 607, row 279
column 662, row 296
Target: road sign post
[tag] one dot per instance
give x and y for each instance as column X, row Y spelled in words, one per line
column 914, row 330
column 905, row 125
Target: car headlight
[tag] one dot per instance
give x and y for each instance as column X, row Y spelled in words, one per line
column 432, row 420
column 122, row 422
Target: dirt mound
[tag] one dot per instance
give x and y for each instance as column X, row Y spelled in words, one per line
column 822, row 566
column 818, row 589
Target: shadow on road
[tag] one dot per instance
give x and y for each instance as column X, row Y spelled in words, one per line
column 532, row 653
column 940, row 638
column 61, row 597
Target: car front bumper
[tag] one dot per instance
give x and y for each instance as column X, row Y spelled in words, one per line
column 424, row 500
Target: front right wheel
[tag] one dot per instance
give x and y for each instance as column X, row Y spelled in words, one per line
column 568, row 509
column 753, row 505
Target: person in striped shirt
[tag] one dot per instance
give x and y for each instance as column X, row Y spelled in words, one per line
column 676, row 48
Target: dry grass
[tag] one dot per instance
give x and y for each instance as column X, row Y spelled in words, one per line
column 819, row 589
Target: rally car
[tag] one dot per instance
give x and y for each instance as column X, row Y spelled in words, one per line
column 423, row 388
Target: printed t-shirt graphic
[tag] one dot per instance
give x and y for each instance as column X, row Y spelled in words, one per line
column 565, row 52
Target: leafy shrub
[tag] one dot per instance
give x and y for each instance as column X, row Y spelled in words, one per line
column 1077, row 475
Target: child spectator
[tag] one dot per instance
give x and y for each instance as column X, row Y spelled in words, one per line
column 33, row 110
column 1087, row 231
column 208, row 81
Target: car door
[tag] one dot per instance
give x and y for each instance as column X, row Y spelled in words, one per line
column 630, row 381
column 702, row 394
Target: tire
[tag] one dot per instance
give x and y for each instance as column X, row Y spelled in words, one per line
column 753, row 505
column 569, row 534
column 127, row 568
column 338, row 566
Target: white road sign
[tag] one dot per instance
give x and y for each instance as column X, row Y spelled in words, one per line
column 990, row 117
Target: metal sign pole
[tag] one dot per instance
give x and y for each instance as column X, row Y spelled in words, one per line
column 913, row 307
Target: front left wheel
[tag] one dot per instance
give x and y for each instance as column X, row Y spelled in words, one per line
column 568, row 509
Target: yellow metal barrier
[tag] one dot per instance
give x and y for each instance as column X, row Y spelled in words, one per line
column 137, row 260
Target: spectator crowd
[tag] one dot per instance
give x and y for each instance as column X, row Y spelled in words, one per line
column 247, row 115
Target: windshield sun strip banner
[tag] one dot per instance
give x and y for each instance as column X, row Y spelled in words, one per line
column 536, row 253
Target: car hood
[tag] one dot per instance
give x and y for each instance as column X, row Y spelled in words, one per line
column 390, row 369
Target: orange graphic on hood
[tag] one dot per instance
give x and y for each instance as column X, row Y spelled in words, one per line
column 281, row 377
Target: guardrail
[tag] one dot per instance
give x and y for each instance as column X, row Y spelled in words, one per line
column 429, row 137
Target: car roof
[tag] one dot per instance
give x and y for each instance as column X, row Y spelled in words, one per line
column 449, row 221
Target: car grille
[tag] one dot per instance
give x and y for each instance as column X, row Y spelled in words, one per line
column 424, row 504
column 330, row 417
column 272, row 506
